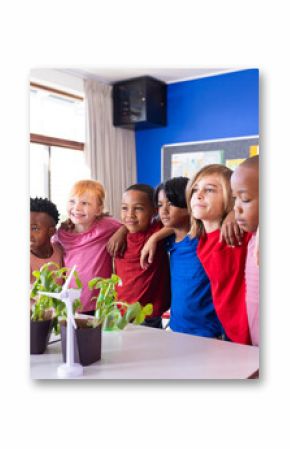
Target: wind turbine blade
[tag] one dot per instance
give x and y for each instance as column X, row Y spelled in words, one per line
column 75, row 293
column 73, row 322
column 51, row 295
column 67, row 282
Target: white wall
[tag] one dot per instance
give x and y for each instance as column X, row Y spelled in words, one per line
column 57, row 79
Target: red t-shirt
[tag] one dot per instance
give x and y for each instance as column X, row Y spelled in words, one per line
column 146, row 286
column 225, row 267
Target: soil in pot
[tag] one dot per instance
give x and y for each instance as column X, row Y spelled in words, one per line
column 87, row 342
column 39, row 335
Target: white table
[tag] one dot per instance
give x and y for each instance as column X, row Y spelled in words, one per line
column 140, row 352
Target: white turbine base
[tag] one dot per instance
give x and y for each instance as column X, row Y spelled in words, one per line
column 68, row 371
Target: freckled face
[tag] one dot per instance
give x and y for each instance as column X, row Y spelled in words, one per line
column 136, row 211
column 83, row 209
column 245, row 187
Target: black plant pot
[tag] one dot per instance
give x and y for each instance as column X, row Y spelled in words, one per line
column 87, row 343
column 39, row 335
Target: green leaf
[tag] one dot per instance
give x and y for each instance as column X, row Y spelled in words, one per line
column 148, row 309
column 93, row 282
column 47, row 279
column 115, row 279
column 122, row 322
column 77, row 280
column 50, row 264
column 77, row 305
column 132, row 311
column 111, row 319
column 139, row 318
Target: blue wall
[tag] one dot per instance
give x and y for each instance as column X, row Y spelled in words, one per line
column 216, row 107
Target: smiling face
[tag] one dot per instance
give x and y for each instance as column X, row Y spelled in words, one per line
column 136, row 211
column 207, row 201
column 42, row 229
column 83, row 210
column 170, row 215
column 245, row 187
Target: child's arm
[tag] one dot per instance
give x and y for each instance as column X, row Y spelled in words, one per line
column 230, row 230
column 117, row 243
column 149, row 249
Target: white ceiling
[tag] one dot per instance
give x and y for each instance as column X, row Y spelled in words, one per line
column 168, row 75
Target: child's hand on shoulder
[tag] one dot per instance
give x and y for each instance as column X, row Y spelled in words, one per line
column 148, row 252
column 117, row 244
column 230, row 231
column 67, row 225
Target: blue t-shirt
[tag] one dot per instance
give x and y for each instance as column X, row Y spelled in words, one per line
column 192, row 309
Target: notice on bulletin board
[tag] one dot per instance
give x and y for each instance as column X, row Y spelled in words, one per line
column 253, row 150
column 233, row 163
column 188, row 164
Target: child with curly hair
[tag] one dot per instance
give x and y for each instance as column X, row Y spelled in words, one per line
column 44, row 217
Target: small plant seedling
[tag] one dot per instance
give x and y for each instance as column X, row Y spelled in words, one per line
column 50, row 280
column 112, row 312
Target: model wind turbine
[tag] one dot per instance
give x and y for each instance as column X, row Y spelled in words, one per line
column 68, row 296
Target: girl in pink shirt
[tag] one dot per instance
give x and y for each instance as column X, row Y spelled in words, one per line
column 85, row 244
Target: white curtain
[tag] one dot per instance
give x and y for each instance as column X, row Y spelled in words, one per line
column 109, row 151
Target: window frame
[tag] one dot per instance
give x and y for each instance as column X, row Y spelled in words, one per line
column 56, row 141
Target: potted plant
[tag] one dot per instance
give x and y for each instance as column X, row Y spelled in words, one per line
column 110, row 314
column 45, row 311
column 87, row 340
column 115, row 314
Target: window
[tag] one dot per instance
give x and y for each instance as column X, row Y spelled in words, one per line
column 67, row 166
column 53, row 170
column 56, row 114
column 39, row 170
column 57, row 126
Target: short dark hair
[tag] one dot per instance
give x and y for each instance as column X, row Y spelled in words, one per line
column 146, row 188
column 174, row 189
column 46, row 206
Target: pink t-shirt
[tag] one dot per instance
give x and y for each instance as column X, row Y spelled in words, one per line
column 87, row 250
column 36, row 262
column 252, row 291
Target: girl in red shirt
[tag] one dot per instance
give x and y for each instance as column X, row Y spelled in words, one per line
column 209, row 200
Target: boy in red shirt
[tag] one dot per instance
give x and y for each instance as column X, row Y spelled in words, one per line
column 151, row 285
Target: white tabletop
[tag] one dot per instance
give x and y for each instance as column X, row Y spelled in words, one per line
column 140, row 352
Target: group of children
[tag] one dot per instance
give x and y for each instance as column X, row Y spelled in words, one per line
column 167, row 249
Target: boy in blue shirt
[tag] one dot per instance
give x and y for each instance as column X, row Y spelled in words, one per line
column 192, row 309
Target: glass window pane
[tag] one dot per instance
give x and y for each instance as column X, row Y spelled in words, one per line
column 67, row 167
column 56, row 116
column 39, row 160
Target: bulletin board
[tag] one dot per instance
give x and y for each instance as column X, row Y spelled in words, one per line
column 185, row 159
